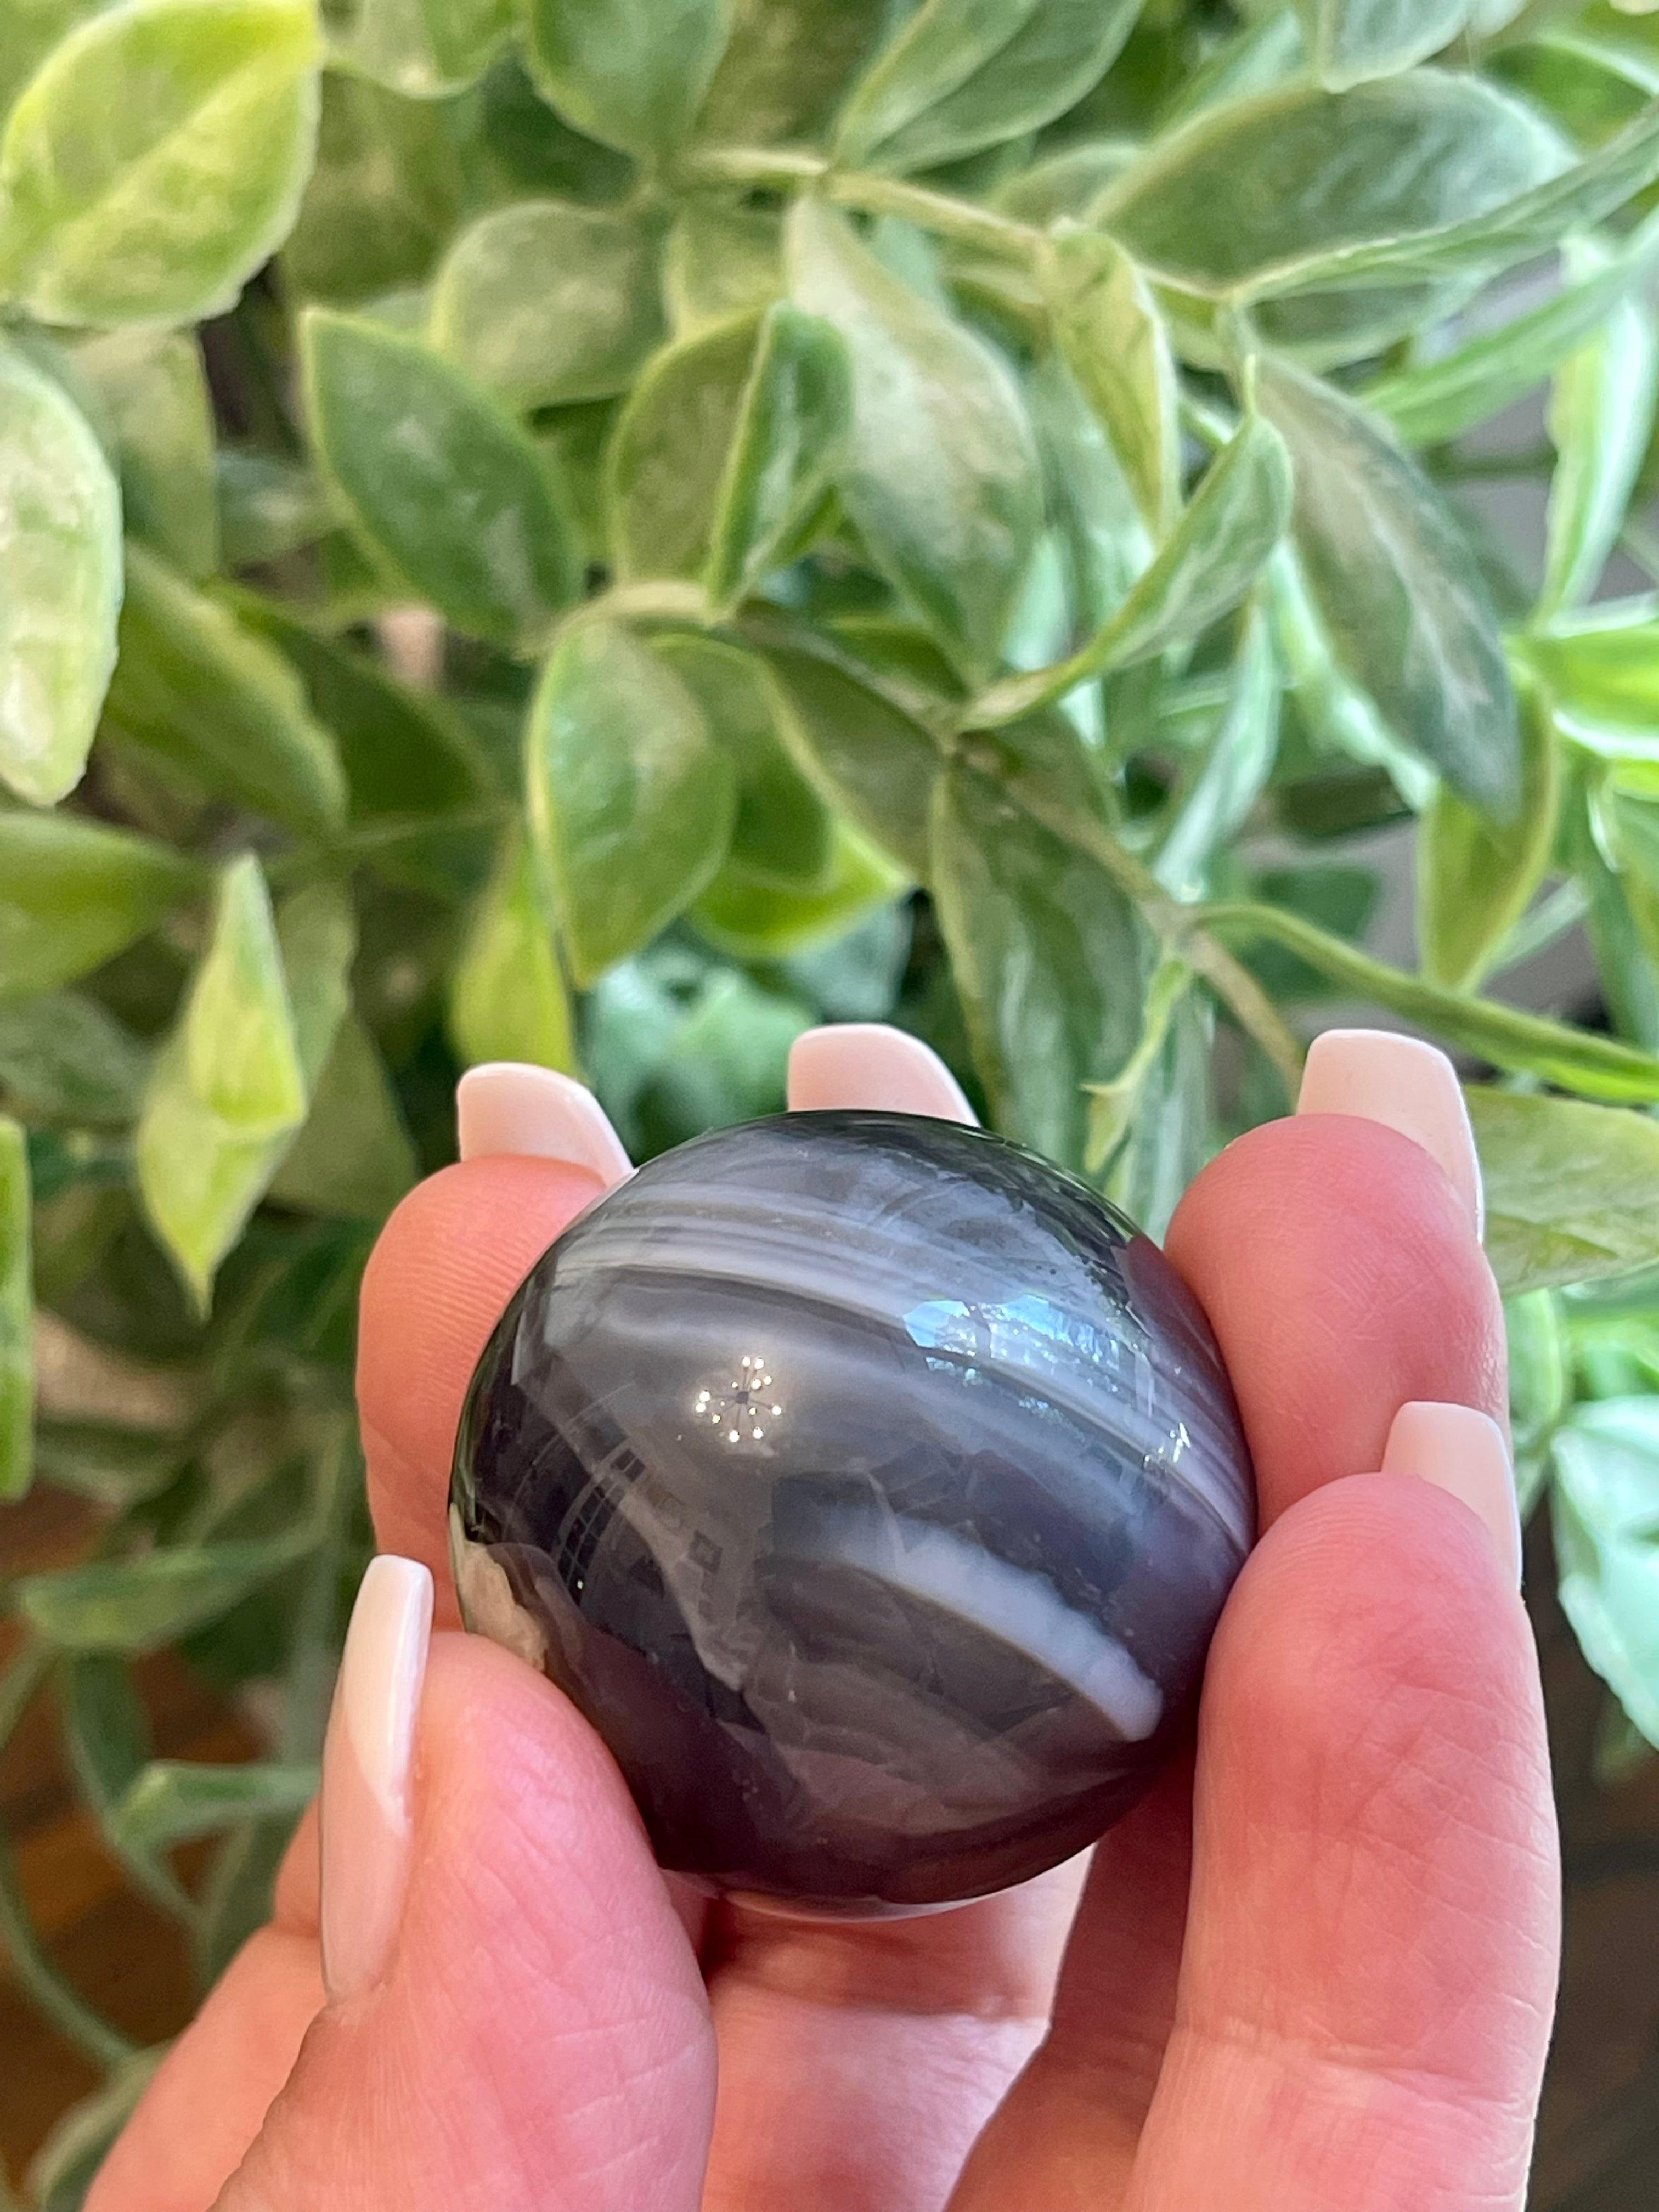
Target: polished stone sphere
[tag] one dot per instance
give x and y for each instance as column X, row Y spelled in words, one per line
column 873, row 1489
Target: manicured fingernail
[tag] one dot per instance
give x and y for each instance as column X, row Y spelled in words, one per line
column 510, row 1106
column 1463, row 1451
column 365, row 1810
column 1409, row 1086
column 869, row 1064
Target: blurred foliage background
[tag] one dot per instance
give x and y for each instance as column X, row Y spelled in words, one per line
column 580, row 533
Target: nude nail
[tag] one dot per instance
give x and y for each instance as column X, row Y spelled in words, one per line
column 365, row 1809
column 511, row 1106
column 1463, row 1451
column 870, row 1064
column 1406, row 1085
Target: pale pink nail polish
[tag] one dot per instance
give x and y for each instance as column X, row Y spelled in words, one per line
column 1463, row 1451
column 511, row 1106
column 1408, row 1086
column 870, row 1064
column 365, row 1811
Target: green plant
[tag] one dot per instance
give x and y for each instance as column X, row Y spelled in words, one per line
column 717, row 517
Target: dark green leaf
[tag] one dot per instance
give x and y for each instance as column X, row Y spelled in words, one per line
column 1209, row 561
column 964, row 74
column 63, row 1058
column 630, row 72
column 631, row 801
column 1476, row 877
column 157, row 159
column 111, row 1466
column 1402, row 603
column 267, row 507
column 175, row 1801
column 1249, row 192
column 154, row 394
column 16, row 1316
column 547, row 302
column 1600, row 418
column 508, row 998
column 353, row 1157
column 73, row 893
column 441, row 481
column 192, row 688
column 385, row 194
column 421, row 48
column 1352, row 40
column 1110, row 334
column 1606, row 1512
column 941, row 476
column 153, row 1598
column 869, row 759
column 1047, row 956
column 785, row 448
column 60, row 583
column 1572, row 1191
column 667, row 460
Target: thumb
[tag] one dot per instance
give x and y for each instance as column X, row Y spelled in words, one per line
column 515, row 2018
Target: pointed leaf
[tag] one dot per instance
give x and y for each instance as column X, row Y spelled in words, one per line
column 138, row 1604
column 174, row 1801
column 754, row 918
column 1572, row 1191
column 630, row 72
column 1600, row 418
column 423, row 48
column 194, row 689
column 1396, row 586
column 547, row 302
column 73, row 894
column 861, row 751
column 786, row 448
column 1605, row 1511
column 16, row 1316
column 441, row 481
column 1214, row 806
column 1352, row 40
column 630, row 801
column 964, row 74
column 155, row 391
column 157, row 159
column 1112, row 338
column 508, row 1000
column 667, row 459
column 941, row 474
column 1476, row 877
column 60, row 583
column 353, row 1158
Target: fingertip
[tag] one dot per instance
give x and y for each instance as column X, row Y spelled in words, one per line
column 873, row 1065
column 515, row 1107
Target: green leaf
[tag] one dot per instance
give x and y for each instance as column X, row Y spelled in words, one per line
column 1110, row 334
column 60, row 583
column 1352, row 40
column 155, row 391
column 1526, row 1044
column 16, row 1316
column 154, row 1597
column 1170, row 1137
column 508, row 1000
column 941, row 476
column 1605, row 1511
column 353, row 1157
column 749, row 914
column 1209, row 561
column 1113, row 1106
column 1251, row 191
column 785, row 64
column 268, row 506
column 1395, row 584
column 63, row 1059
column 720, row 261
column 867, row 757
column 630, row 801
column 1572, row 1191
column 964, row 74
column 1600, row 418
column 383, row 196
column 157, row 159
column 1047, row 956
column 175, row 1801
column 630, row 72
column 668, row 458
column 33, row 27
column 72, row 894
column 1102, row 536
column 443, row 484
column 230, row 1086
column 1476, row 876
column 785, row 448
column 195, row 690
column 1214, row 806
column 423, row 48
column 1601, row 667
column 1540, row 1385
column 1439, row 399
column 781, row 835
column 547, row 302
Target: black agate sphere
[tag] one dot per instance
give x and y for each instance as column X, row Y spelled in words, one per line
column 873, row 1489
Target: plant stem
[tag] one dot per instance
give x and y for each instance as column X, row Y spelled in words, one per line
column 942, row 213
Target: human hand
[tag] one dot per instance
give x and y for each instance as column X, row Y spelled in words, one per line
column 1313, row 1971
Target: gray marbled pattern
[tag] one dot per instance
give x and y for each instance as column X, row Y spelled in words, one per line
column 874, row 1490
